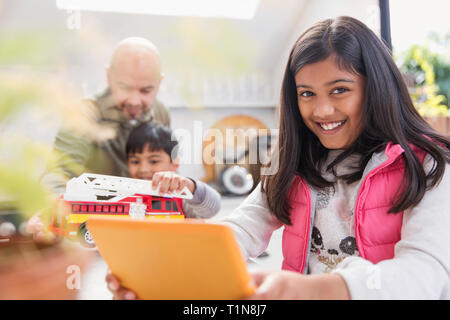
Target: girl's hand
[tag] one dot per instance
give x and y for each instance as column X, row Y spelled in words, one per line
column 170, row 182
column 119, row 292
column 278, row 285
column 288, row 285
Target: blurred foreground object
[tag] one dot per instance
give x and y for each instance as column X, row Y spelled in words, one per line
column 32, row 272
column 29, row 270
column 23, row 94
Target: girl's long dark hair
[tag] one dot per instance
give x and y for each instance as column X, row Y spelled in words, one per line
column 388, row 116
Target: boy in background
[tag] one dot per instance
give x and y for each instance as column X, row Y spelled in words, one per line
column 149, row 152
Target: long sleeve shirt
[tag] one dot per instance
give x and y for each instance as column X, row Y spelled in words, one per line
column 206, row 202
column 420, row 268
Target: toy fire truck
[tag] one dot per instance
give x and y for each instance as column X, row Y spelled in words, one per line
column 95, row 194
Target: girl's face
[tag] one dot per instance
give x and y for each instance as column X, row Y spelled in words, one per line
column 143, row 165
column 331, row 102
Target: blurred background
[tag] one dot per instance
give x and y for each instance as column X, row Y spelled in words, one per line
column 223, row 63
column 218, row 62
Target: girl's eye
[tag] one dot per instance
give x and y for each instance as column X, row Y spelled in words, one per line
column 154, row 162
column 306, row 94
column 340, row 90
column 134, row 162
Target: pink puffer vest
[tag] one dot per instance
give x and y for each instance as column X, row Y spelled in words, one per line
column 376, row 231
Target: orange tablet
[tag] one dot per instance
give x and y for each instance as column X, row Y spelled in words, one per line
column 173, row 260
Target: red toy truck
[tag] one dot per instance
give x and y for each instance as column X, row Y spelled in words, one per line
column 95, row 194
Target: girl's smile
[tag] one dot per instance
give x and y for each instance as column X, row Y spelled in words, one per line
column 330, row 101
column 331, row 127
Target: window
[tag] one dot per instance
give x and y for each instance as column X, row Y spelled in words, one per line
column 175, row 208
column 169, row 205
column 156, row 204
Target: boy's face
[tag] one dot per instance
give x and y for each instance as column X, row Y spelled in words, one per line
column 143, row 165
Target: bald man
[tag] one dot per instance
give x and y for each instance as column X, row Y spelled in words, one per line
column 134, row 77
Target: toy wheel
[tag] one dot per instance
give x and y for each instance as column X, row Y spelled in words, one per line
column 85, row 237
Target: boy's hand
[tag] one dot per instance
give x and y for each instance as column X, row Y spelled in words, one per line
column 170, row 182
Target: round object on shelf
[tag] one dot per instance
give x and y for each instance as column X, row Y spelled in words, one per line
column 237, row 180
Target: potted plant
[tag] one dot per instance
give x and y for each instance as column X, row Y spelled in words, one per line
column 430, row 85
column 29, row 270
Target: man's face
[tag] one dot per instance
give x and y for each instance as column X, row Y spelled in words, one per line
column 134, row 84
column 143, row 165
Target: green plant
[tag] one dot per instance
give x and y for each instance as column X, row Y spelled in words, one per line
column 23, row 158
column 431, row 73
column 30, row 270
column 428, row 102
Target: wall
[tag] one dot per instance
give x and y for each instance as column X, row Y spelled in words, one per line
column 314, row 11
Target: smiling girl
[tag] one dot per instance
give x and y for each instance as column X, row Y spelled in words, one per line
column 363, row 186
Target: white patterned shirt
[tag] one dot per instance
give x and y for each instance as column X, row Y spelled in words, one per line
column 333, row 235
